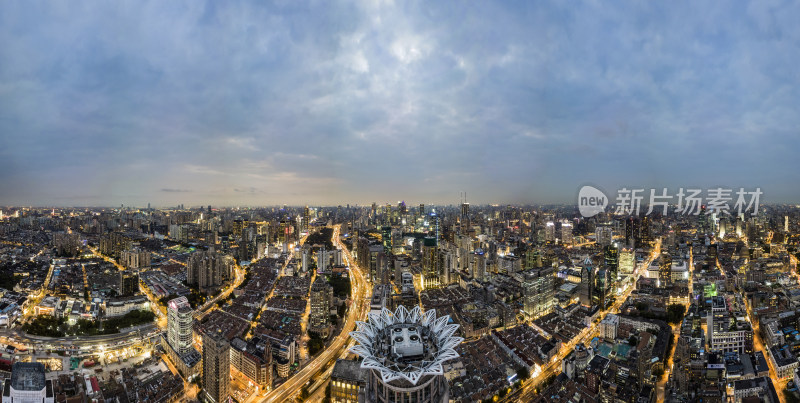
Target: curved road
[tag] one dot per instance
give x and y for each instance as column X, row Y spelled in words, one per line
column 357, row 311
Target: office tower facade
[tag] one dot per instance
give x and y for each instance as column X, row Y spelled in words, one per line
column 321, row 297
column 604, row 235
column 550, row 232
column 386, row 238
column 479, row 264
column 430, row 264
column 627, row 261
column 631, row 231
column 587, row 283
column 128, row 283
column 665, row 270
column 645, row 236
column 611, row 262
column 602, row 287
column 179, row 325
column 566, row 233
column 539, row 291
column 305, row 224
column 216, row 367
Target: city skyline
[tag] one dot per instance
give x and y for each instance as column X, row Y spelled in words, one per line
column 245, row 104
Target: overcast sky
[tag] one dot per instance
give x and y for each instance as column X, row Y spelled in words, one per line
column 238, row 103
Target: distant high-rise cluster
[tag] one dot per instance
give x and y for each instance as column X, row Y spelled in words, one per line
column 135, row 258
column 208, row 269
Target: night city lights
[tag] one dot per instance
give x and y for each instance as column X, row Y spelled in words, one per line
column 399, row 201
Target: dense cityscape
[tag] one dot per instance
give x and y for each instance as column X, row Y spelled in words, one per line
column 506, row 303
column 399, row 201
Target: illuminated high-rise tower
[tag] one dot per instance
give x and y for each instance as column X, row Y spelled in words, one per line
column 611, row 259
column 216, row 367
column 665, row 270
column 179, row 325
column 306, row 220
column 465, row 224
column 566, row 233
column 321, row 296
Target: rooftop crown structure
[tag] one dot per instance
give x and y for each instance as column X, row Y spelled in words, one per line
column 405, row 351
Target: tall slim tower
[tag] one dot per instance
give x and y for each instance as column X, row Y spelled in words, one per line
column 179, row 325
column 587, row 283
column 306, row 219
column 465, row 224
column 611, row 259
column 665, row 270
column 216, row 367
column 321, row 296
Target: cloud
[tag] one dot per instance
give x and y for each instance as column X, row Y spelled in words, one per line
column 168, row 190
column 364, row 101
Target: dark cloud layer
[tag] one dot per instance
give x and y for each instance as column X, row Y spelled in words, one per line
column 334, row 102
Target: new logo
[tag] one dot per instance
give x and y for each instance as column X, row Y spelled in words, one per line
column 591, row 201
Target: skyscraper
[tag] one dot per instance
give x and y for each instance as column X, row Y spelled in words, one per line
column 128, row 282
column 178, row 341
column 179, row 325
column 602, row 287
column 430, row 263
column 550, row 232
column 626, row 261
column 587, row 283
column 465, row 224
column 216, row 367
column 321, row 296
column 386, row 238
column 566, row 233
column 611, row 260
column 479, row 264
column 306, row 219
column 538, row 291
column 644, row 231
column 631, row 231
column 604, row 235
column 665, row 270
